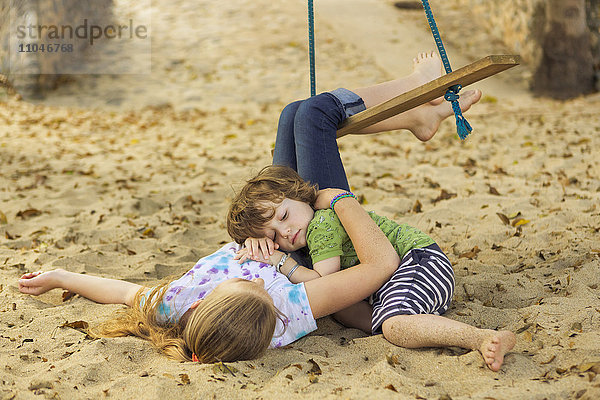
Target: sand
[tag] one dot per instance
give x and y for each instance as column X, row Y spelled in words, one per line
column 129, row 177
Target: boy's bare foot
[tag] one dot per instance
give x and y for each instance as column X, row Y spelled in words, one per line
column 495, row 346
column 427, row 118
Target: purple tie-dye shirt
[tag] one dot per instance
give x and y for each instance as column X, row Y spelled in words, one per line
column 289, row 298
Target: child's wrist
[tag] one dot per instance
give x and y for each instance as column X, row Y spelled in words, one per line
column 339, row 197
column 58, row 277
column 282, row 260
column 288, row 267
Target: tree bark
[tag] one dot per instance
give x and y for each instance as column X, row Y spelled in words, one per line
column 566, row 69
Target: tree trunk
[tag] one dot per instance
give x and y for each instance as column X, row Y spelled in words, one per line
column 566, row 68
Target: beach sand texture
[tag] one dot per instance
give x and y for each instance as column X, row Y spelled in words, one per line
column 130, row 177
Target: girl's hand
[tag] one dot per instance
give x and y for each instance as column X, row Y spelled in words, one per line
column 36, row 283
column 257, row 249
column 325, row 196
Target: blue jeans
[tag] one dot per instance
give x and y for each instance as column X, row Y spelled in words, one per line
column 306, row 137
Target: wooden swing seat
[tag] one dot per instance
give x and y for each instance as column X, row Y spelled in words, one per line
column 464, row 76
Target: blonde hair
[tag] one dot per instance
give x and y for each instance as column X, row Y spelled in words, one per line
column 249, row 211
column 230, row 327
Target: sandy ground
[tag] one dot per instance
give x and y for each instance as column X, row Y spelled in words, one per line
column 129, row 176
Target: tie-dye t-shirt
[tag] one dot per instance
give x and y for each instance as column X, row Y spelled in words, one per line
column 289, row 298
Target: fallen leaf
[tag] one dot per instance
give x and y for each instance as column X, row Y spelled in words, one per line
column 500, row 171
column 417, row 207
column 471, row 254
column 25, row 341
column 185, row 379
column 431, row 183
column 148, row 232
column 29, row 213
column 222, row 368
column 392, row 359
column 391, row 387
column 80, row 326
column 519, row 222
column 3, row 219
column 549, row 361
column 523, row 328
column 66, row 296
column 315, row 368
column 444, row 195
column 503, row 218
column 494, row 191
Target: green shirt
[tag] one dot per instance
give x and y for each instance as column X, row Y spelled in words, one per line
column 326, row 238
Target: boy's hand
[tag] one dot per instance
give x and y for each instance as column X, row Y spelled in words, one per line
column 325, row 196
column 36, row 283
column 257, row 249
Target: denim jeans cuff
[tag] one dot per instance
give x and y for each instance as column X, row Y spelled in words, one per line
column 352, row 103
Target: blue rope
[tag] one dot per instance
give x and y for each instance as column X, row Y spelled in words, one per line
column 311, row 48
column 463, row 127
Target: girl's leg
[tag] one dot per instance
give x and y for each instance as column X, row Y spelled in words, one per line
column 426, row 67
column 422, row 121
column 285, row 147
column 306, row 140
column 310, row 146
column 356, row 316
column 427, row 330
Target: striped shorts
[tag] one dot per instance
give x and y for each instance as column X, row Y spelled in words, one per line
column 422, row 284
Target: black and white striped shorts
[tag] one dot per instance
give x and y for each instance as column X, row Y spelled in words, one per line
column 422, row 284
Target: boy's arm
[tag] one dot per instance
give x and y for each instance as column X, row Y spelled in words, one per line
column 303, row 274
column 299, row 274
column 327, row 266
column 101, row 290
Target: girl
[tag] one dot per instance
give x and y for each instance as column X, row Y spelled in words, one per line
column 274, row 211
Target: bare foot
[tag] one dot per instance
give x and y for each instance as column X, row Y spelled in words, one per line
column 494, row 347
column 427, row 67
column 427, row 118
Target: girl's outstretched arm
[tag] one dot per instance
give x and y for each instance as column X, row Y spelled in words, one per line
column 101, row 290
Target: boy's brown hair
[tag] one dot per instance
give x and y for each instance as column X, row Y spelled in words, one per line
column 250, row 210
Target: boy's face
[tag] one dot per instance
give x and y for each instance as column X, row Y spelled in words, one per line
column 288, row 226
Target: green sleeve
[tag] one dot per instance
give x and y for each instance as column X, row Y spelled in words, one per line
column 325, row 236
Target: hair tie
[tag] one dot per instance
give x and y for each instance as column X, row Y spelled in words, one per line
column 194, row 358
